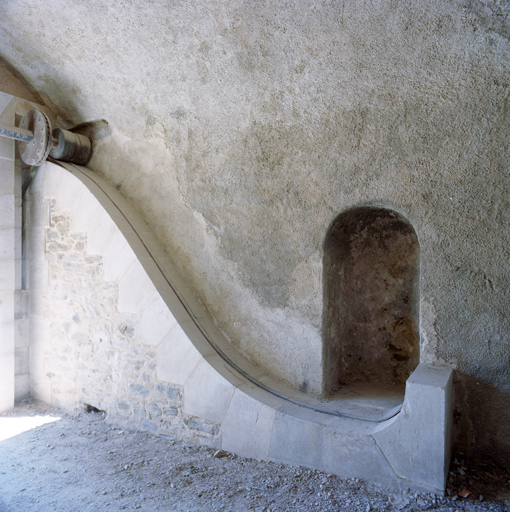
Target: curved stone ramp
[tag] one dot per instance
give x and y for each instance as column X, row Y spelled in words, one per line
column 255, row 417
column 372, row 407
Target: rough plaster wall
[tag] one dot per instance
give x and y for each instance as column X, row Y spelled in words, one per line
column 242, row 129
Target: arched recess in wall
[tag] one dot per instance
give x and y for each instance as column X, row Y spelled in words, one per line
column 371, row 300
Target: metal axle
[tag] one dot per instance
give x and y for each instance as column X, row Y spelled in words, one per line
column 11, row 132
column 36, row 140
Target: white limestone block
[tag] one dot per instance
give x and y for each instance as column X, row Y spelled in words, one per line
column 7, row 275
column 135, row 288
column 207, row 394
column 5, row 99
column 7, row 215
column 54, row 175
column 7, row 301
column 8, row 244
column 22, row 332
column 21, row 361
column 101, row 232
column 416, row 442
column 21, row 386
column 7, row 149
column 37, row 274
column 38, row 211
column 84, row 209
column 117, row 258
column 36, row 304
column 40, row 387
column 295, row 440
column 7, row 366
column 70, row 192
column 7, row 177
column 6, row 396
column 155, row 321
column 247, row 427
column 176, row 357
column 350, row 451
column 40, row 336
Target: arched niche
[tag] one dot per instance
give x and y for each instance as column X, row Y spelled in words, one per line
column 371, row 288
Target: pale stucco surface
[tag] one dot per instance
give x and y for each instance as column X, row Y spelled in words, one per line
column 242, row 129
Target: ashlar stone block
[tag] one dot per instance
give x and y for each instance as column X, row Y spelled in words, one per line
column 176, row 357
column 135, row 289
column 155, row 321
column 296, row 440
column 349, row 451
column 417, row 442
column 247, row 427
column 101, row 232
column 117, row 259
column 207, row 395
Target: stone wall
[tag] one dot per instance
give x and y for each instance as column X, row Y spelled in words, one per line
column 241, row 130
column 92, row 346
column 114, row 327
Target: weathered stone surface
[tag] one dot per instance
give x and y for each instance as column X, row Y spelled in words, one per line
column 139, row 389
column 202, row 426
column 417, row 442
column 247, row 427
column 169, row 392
column 91, row 360
column 123, row 405
column 171, row 411
column 280, row 116
column 148, row 425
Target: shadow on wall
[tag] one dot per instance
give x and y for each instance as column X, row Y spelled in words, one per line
column 371, row 297
column 478, row 407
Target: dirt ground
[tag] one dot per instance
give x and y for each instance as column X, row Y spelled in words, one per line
column 81, row 462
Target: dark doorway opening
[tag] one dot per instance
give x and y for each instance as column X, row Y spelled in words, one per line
column 371, row 300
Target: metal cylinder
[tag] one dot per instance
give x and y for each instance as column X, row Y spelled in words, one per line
column 70, row 147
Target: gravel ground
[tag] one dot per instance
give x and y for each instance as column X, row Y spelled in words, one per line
column 81, row 462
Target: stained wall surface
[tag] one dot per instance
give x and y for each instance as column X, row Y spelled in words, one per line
column 241, row 130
